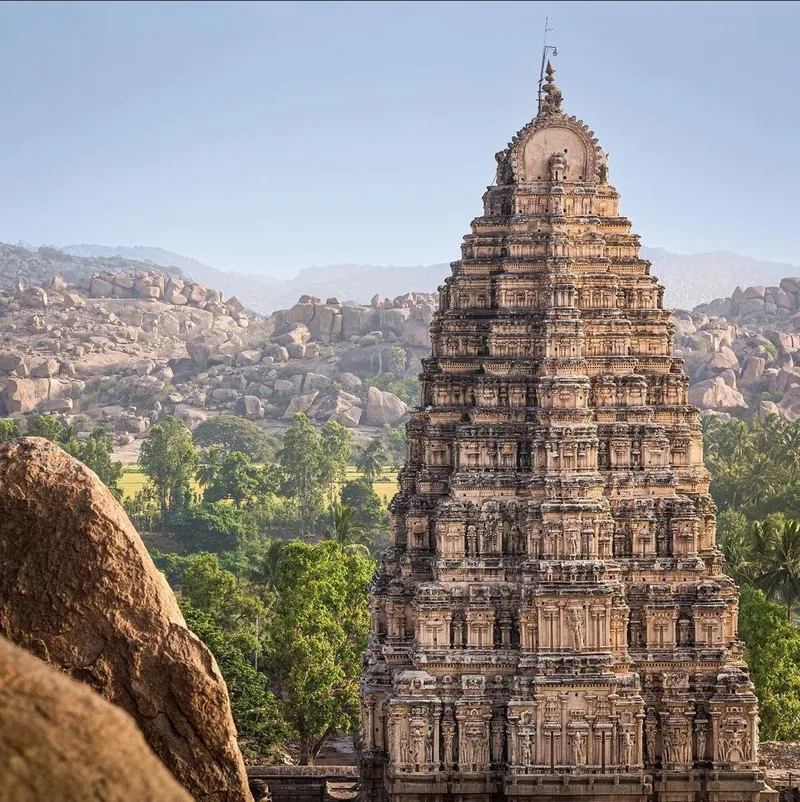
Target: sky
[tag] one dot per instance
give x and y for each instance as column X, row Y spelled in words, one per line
column 269, row 137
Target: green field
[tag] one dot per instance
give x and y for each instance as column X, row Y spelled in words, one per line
column 133, row 480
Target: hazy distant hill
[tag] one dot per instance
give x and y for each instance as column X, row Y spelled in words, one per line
column 690, row 279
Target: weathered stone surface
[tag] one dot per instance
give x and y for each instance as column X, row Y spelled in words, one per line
column 59, row 739
column 316, row 381
column 724, row 359
column 45, row 369
column 715, row 394
column 384, row 408
column 24, row 395
column 250, row 406
column 753, row 370
column 300, row 403
column 79, row 589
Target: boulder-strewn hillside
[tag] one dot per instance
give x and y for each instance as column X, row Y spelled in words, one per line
column 125, row 349
column 743, row 352
column 689, row 278
column 21, row 265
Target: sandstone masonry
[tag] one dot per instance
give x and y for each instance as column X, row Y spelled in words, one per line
column 552, row 620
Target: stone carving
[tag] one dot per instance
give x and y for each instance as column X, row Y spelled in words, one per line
column 578, row 748
column 577, row 489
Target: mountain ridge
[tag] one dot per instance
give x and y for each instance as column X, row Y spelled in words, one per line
column 689, row 279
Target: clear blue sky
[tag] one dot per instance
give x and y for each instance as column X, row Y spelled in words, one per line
column 270, row 137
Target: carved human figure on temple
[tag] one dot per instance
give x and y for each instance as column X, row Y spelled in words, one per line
column 417, row 746
column 491, row 530
column 667, row 747
column 578, row 748
column 526, row 750
column 682, row 746
column 701, row 741
column 429, row 746
column 627, row 747
column 448, row 735
column 472, row 540
column 573, row 543
column 575, row 624
column 650, row 741
column 404, row 748
column 734, row 747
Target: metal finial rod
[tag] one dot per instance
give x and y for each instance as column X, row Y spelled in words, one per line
column 545, row 49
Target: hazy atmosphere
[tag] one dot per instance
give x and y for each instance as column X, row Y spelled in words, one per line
column 267, row 138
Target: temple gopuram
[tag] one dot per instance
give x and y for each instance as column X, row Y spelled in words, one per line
column 552, row 621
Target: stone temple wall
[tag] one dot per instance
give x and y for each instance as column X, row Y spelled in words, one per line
column 552, row 620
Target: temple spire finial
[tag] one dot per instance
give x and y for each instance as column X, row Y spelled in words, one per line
column 550, row 71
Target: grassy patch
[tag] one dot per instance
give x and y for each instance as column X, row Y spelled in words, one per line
column 133, row 480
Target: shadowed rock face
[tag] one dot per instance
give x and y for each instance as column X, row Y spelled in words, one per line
column 78, row 589
column 60, row 740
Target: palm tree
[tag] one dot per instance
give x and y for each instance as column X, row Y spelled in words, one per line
column 777, row 550
column 345, row 530
column 787, row 449
column 267, row 572
column 758, row 479
column 210, row 463
column 372, row 459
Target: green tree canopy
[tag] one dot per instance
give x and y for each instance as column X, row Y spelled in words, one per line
column 169, row 459
column 318, row 636
column 95, row 452
column 773, row 657
column 236, row 479
column 233, row 433
column 303, row 469
column 9, row 429
column 335, row 447
column 256, row 711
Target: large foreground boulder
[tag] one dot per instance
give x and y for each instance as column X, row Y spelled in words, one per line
column 78, row 589
column 60, row 740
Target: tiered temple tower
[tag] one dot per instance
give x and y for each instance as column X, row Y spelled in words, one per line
column 552, row 620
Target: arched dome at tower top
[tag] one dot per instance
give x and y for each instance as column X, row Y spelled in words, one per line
column 555, row 147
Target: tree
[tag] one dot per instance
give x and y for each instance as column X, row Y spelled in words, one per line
column 49, row 427
column 345, row 530
column 301, row 459
column 335, row 447
column 210, row 461
column 734, row 539
column 372, row 459
column 169, row 459
column 776, row 542
column 232, row 433
column 369, row 512
column 208, row 587
column 212, row 527
column 773, row 658
column 319, row 633
column 256, row 711
column 9, row 429
column 236, row 479
column 95, row 453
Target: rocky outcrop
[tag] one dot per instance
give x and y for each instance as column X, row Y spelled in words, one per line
column 60, row 740
column 715, row 394
column 78, row 589
column 384, row 409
